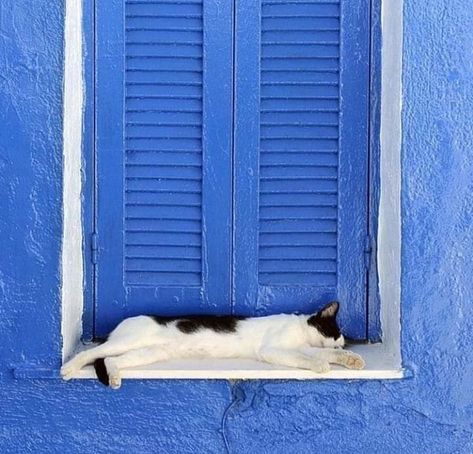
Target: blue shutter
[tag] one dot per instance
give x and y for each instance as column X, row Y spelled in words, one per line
column 165, row 148
column 163, row 158
column 301, row 148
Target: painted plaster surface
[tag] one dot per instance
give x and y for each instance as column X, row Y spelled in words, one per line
column 429, row 413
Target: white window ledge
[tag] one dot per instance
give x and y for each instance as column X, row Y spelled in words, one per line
column 379, row 365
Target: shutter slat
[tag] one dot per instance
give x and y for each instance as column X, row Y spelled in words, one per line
column 303, row 23
column 163, row 212
column 164, row 23
column 137, row 278
column 297, row 212
column 301, row 35
column 295, row 226
column 294, row 253
column 306, row 9
column 153, row 10
column 164, row 77
column 163, row 265
column 141, row 158
column 177, row 35
column 327, row 279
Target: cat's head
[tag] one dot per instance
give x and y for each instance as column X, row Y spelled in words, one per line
column 325, row 331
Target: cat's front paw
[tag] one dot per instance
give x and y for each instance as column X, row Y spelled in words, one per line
column 354, row 361
column 320, row 367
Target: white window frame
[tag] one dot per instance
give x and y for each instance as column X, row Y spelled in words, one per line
column 383, row 359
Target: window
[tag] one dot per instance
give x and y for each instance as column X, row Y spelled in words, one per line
column 232, row 156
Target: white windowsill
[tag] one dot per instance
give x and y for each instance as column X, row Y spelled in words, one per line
column 379, row 365
column 383, row 361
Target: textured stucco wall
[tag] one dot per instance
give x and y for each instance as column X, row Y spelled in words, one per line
column 431, row 412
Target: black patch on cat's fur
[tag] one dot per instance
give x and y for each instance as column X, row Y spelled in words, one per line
column 219, row 324
column 193, row 323
column 162, row 320
column 101, row 371
column 327, row 326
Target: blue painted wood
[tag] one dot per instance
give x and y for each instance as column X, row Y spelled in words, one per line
column 246, row 154
column 110, row 73
column 88, row 184
column 353, row 164
column 299, row 148
column 374, row 303
column 164, row 115
column 301, row 157
column 217, row 156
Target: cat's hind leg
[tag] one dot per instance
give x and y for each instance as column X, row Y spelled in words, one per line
column 134, row 358
column 109, row 348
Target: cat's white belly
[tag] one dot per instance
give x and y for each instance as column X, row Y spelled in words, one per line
column 215, row 346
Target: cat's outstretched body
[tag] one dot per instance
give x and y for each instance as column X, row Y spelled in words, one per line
column 303, row 341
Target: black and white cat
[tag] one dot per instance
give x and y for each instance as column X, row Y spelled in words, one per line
column 301, row 341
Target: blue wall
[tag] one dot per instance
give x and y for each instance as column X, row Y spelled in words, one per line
column 432, row 412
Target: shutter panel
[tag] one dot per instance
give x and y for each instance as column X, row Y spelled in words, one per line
column 163, row 151
column 163, row 154
column 303, row 144
column 298, row 143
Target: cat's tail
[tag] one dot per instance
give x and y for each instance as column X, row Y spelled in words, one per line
column 101, row 371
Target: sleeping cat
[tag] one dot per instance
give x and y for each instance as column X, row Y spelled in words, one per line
column 301, row 341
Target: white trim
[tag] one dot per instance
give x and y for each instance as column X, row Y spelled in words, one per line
column 389, row 219
column 383, row 360
column 72, row 259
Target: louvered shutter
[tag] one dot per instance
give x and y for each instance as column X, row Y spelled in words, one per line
column 163, row 158
column 301, row 148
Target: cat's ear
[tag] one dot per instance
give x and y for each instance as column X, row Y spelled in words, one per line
column 330, row 310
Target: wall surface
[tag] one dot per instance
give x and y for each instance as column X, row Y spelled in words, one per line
column 429, row 413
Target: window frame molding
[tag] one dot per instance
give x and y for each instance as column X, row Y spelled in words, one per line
column 385, row 206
